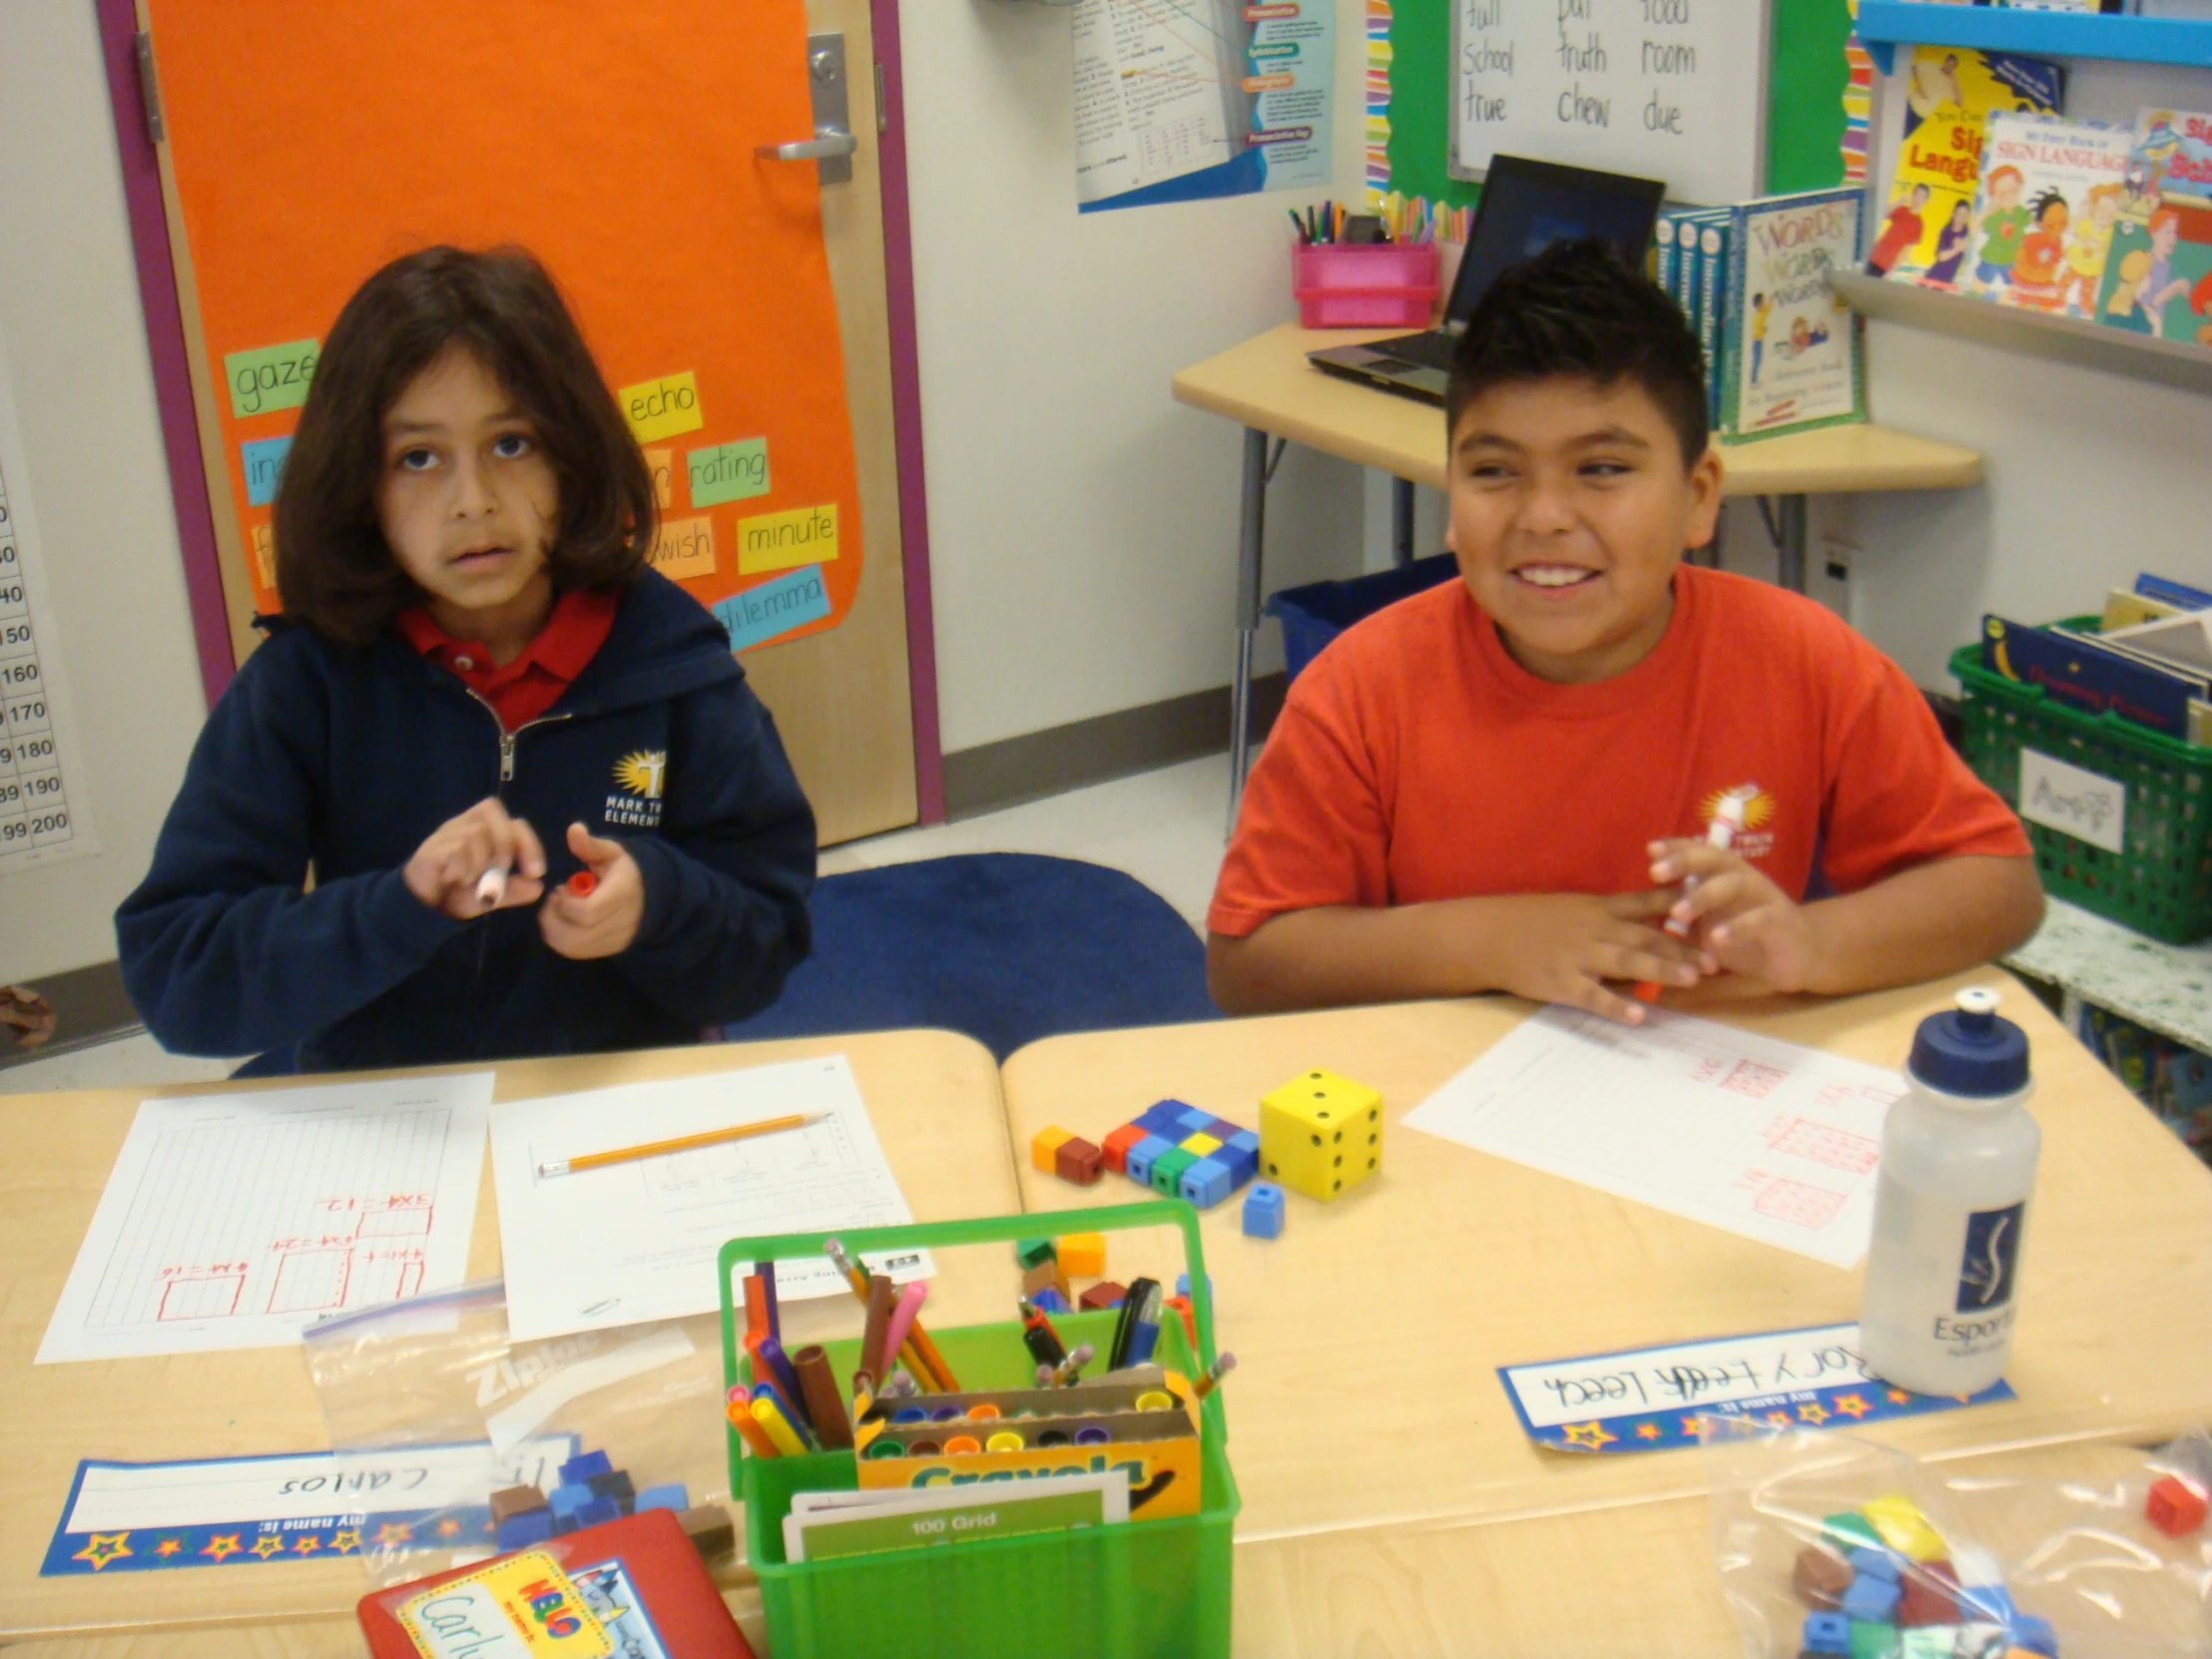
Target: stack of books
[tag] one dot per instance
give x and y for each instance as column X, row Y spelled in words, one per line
column 2149, row 659
column 1782, row 353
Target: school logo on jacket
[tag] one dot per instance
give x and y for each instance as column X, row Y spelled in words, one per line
column 641, row 774
column 1755, row 840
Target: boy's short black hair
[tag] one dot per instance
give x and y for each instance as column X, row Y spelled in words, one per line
column 334, row 569
column 1575, row 310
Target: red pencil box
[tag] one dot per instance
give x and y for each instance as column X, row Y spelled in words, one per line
column 633, row 1589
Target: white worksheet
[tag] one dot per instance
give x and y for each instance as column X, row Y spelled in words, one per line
column 1762, row 1138
column 238, row 1220
column 638, row 1240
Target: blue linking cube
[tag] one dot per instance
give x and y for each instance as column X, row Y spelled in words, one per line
column 1876, row 1564
column 1147, row 1152
column 1183, row 1283
column 1240, row 1152
column 1872, row 1600
column 2035, row 1635
column 1195, row 1122
column 1206, row 1182
column 1163, row 1118
column 675, row 1495
column 520, row 1532
column 1263, row 1211
column 579, row 1469
column 569, row 1497
column 1827, row 1633
column 1049, row 1301
column 598, row 1512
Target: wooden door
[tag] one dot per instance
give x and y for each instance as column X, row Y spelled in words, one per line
column 304, row 144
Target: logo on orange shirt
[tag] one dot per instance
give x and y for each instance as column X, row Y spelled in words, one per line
column 1755, row 840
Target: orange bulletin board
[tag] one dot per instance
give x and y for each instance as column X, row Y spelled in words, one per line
column 314, row 141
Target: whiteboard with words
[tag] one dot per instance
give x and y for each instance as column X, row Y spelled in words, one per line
column 1659, row 89
column 42, row 805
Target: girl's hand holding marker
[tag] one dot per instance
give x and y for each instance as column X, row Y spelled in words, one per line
column 453, row 869
column 486, row 860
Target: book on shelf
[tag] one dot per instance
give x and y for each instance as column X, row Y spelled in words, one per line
column 1949, row 94
column 2051, row 194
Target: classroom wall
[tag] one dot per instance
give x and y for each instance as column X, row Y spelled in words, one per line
column 2089, row 476
column 1082, row 525
column 84, row 390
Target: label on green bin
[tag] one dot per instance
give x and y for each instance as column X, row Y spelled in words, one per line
column 998, row 1517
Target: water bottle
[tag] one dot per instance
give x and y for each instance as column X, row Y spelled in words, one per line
column 1950, row 1205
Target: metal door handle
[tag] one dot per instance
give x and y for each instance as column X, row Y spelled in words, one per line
column 832, row 146
column 827, row 142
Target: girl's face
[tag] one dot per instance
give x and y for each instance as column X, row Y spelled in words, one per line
column 468, row 502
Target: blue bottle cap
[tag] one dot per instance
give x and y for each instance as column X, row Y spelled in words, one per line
column 1969, row 1050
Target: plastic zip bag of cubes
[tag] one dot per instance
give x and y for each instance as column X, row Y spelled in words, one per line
column 1833, row 1546
column 453, row 1444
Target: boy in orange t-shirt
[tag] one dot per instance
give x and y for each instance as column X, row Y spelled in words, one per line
column 1503, row 784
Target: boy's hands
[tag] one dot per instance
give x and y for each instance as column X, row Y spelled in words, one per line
column 446, row 868
column 604, row 923
column 1562, row 947
column 1746, row 923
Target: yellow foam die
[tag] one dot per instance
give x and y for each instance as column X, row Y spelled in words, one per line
column 1320, row 1134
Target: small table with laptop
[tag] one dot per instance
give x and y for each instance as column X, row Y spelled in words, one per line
column 1322, row 389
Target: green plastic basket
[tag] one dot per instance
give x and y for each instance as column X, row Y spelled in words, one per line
column 2160, row 884
column 1140, row 1590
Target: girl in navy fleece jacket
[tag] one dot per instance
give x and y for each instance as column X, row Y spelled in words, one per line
column 478, row 690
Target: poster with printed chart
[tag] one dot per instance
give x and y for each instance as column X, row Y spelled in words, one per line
column 310, row 144
column 1657, row 89
column 42, row 812
column 1183, row 100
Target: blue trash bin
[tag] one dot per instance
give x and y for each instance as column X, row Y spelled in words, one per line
column 1317, row 613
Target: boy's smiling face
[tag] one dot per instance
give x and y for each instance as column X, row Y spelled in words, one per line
column 1570, row 508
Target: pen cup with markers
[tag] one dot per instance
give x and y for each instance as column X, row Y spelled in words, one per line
column 1139, row 1587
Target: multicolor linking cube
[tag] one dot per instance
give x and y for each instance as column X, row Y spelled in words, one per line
column 1175, row 1150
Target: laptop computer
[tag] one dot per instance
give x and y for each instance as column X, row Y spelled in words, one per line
column 1526, row 206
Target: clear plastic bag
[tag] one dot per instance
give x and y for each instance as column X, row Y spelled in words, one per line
column 2054, row 1554
column 431, row 1409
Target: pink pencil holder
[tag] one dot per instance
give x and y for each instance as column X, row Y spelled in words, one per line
column 1365, row 285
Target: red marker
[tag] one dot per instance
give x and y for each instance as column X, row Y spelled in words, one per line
column 1721, row 832
column 581, row 884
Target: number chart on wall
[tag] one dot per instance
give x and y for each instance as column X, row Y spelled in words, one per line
column 42, row 809
column 1659, row 89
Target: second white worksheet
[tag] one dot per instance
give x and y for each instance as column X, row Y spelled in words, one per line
column 638, row 1240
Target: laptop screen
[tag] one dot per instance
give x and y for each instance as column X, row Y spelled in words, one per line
column 1529, row 205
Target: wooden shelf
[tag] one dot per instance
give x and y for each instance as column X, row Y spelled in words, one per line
column 1884, row 25
column 2067, row 339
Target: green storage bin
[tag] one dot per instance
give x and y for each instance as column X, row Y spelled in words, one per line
column 2160, row 884
column 1142, row 1590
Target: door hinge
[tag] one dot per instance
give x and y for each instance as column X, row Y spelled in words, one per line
column 882, row 110
column 150, row 92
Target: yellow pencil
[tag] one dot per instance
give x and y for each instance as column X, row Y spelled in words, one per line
column 682, row 1143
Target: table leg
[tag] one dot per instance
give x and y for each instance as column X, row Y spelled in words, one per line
column 1401, row 522
column 1251, row 527
column 1790, row 517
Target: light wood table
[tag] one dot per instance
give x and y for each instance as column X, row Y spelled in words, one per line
column 1373, row 1442
column 934, row 1100
column 1267, row 386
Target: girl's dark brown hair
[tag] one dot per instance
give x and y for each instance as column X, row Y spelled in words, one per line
column 334, row 568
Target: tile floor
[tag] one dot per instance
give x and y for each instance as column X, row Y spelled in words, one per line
column 1165, row 827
